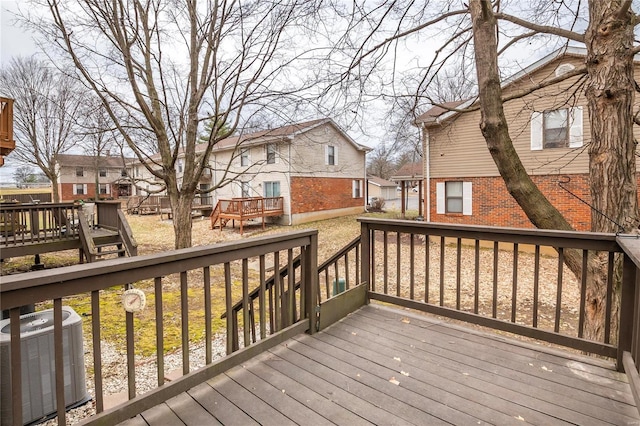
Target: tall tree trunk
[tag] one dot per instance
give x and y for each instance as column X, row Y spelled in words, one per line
column 612, row 162
column 182, row 220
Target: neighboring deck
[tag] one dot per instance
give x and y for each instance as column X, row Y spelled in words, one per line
column 243, row 209
column 387, row 366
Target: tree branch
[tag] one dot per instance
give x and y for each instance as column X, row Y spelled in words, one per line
column 571, row 35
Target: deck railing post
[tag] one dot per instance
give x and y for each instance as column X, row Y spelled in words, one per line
column 310, row 271
column 627, row 327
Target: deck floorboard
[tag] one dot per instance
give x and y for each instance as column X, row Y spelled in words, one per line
column 387, row 366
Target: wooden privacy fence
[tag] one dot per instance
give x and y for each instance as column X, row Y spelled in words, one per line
column 221, row 272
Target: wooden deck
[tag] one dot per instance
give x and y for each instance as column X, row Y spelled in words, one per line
column 387, row 366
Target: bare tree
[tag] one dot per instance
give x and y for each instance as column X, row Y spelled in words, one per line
column 479, row 36
column 162, row 69
column 24, row 174
column 46, row 112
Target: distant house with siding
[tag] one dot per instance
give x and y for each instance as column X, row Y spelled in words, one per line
column 314, row 165
column 550, row 132
column 381, row 188
column 78, row 175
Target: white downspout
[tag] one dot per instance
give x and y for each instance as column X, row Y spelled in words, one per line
column 426, row 150
column 289, row 180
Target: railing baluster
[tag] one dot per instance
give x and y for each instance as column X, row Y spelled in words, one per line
column 291, row 290
column 97, row 350
column 157, row 283
column 16, row 366
column 442, row 271
column 246, row 321
column 583, row 292
column 229, row 308
column 370, row 257
column 494, row 311
column 536, row 285
column 184, row 308
column 346, row 270
column 556, row 326
column 412, row 265
column 58, row 344
column 426, row 268
column 514, row 289
column 276, row 294
column 607, row 317
column 262, row 298
column 326, row 282
column 358, row 282
column 208, row 334
column 385, row 261
column 476, row 282
column 398, row 262
column 458, row 263
column 131, row 369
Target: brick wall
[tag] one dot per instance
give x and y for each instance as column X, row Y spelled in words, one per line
column 67, row 195
column 494, row 206
column 312, row 194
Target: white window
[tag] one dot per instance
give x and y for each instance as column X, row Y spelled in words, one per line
column 80, row 189
column 272, row 189
column 246, row 189
column 454, row 197
column 79, row 171
column 272, row 153
column 123, row 173
column 331, row 155
column 102, row 172
column 244, row 157
column 356, row 187
column 561, row 128
column 180, row 166
column 104, row 188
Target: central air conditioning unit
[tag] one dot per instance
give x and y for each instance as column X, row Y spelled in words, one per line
column 38, row 365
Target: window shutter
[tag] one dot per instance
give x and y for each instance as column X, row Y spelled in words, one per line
column 75, row 189
column 326, row 155
column 536, row 131
column 276, row 150
column 84, row 189
column 575, row 132
column 467, row 199
column 335, row 155
column 108, row 189
column 440, row 201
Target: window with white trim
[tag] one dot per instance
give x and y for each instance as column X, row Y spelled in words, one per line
column 180, row 166
column 102, row 172
column 356, row 188
column 272, row 153
column 79, row 171
column 454, row 197
column 560, row 128
column 271, row 189
column 80, row 189
column 331, row 155
column 246, row 189
column 123, row 173
column 104, row 188
column 244, row 157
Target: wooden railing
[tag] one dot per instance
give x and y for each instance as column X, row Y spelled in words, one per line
column 203, row 270
column 26, row 223
column 7, row 143
column 513, row 280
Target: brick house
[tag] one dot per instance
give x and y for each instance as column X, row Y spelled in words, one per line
column 315, row 166
column 550, row 131
column 80, row 177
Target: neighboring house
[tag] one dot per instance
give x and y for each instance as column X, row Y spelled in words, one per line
column 381, row 188
column 550, row 132
column 77, row 176
column 315, row 166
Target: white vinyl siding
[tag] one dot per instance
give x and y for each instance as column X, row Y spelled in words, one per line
column 450, row 202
